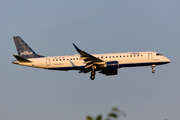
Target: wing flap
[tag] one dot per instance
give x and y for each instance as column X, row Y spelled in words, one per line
column 88, row 66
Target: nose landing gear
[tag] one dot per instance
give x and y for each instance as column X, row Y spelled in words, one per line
column 153, row 66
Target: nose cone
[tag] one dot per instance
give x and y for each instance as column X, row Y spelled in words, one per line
column 168, row 60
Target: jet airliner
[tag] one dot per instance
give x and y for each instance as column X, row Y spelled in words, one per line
column 106, row 64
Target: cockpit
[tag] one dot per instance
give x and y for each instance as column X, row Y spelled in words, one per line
column 158, row 54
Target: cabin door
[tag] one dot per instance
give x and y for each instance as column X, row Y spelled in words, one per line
column 150, row 57
column 48, row 62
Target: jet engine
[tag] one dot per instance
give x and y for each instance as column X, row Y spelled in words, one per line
column 111, row 65
column 109, row 72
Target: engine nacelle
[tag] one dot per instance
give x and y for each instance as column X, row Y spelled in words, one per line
column 109, row 72
column 112, row 72
column 111, row 65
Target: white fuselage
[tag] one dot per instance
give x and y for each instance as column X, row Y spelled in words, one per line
column 74, row 62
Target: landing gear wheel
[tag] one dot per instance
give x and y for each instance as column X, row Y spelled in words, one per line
column 92, row 77
column 153, row 66
column 93, row 73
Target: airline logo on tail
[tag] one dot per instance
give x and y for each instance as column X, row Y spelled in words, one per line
column 26, row 53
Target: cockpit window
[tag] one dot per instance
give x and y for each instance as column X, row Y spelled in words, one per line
column 158, row 54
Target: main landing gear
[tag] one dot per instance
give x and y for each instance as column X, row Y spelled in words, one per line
column 93, row 72
column 93, row 75
column 153, row 66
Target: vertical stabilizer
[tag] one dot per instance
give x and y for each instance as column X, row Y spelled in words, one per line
column 23, row 49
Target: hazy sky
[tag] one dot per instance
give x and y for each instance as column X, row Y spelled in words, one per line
column 105, row 26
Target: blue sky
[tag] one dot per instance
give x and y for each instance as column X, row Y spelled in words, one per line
column 50, row 28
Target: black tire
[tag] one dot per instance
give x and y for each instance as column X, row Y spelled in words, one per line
column 92, row 77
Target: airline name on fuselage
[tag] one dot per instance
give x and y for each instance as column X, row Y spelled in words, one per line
column 135, row 53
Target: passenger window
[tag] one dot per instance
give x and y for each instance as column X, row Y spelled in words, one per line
column 113, row 56
column 73, row 58
column 63, row 59
column 134, row 55
column 109, row 56
column 116, row 56
column 127, row 56
column 123, row 56
column 120, row 56
column 130, row 55
column 138, row 55
column 77, row 58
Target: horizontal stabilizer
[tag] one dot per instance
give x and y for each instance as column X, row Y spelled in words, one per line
column 21, row 59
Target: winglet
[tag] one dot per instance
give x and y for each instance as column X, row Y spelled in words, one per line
column 79, row 50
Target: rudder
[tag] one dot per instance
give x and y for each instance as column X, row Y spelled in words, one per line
column 23, row 49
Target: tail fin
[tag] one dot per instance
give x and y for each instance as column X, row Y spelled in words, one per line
column 23, row 49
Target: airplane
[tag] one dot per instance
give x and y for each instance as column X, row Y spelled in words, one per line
column 106, row 64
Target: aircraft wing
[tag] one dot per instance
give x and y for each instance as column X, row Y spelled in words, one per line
column 89, row 59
